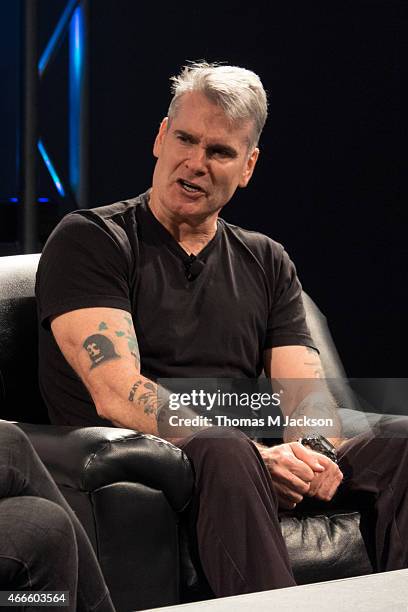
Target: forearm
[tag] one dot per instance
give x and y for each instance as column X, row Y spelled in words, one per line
column 307, row 404
column 136, row 402
column 100, row 345
column 129, row 400
column 310, row 410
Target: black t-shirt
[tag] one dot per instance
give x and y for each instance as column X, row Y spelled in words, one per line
column 245, row 298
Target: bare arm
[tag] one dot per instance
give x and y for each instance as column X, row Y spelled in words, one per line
column 100, row 345
column 305, row 394
column 299, row 372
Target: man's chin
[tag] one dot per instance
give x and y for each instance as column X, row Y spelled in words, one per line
column 181, row 208
column 189, row 206
column 191, row 211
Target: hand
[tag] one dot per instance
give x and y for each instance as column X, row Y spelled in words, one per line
column 325, row 484
column 293, row 468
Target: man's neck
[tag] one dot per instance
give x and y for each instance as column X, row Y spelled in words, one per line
column 192, row 235
column 192, row 245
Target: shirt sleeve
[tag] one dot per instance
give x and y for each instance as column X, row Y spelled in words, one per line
column 86, row 263
column 287, row 318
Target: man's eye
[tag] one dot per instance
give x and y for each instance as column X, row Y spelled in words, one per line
column 183, row 138
column 220, row 153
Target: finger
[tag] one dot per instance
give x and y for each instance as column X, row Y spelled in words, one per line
column 301, row 470
column 291, row 481
column 326, row 494
column 286, row 505
column 335, row 485
column 281, row 460
column 329, row 484
column 323, row 490
column 317, row 484
column 314, row 460
column 314, row 485
column 287, row 495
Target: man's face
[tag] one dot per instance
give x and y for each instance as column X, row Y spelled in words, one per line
column 201, row 160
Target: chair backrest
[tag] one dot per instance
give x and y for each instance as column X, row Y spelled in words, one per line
column 20, row 398
column 320, row 332
column 332, row 366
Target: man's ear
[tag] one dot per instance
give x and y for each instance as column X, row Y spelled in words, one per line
column 249, row 168
column 159, row 138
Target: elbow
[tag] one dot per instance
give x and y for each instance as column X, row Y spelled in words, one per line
column 103, row 410
column 103, row 402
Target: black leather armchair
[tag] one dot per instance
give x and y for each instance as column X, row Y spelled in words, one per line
column 129, row 489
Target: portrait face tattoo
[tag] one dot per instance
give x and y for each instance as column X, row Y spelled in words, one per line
column 99, row 349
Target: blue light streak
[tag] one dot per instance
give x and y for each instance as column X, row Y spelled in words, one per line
column 17, row 200
column 56, row 37
column 51, row 169
column 76, row 74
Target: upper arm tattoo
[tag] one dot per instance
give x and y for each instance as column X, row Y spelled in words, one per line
column 131, row 340
column 100, row 349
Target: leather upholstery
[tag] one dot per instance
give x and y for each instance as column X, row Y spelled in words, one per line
column 100, row 456
column 19, row 393
column 128, row 488
column 326, row 546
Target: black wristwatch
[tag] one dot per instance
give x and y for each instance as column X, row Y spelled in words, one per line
column 320, row 444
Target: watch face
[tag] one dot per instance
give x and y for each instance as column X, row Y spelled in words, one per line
column 319, row 444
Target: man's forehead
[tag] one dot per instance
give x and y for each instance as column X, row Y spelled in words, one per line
column 198, row 116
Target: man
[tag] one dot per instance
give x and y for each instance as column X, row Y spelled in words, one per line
column 207, row 299
column 43, row 547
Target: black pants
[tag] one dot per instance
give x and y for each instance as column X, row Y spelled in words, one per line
column 42, row 544
column 235, row 508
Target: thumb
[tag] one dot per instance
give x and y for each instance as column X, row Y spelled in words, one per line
column 310, row 457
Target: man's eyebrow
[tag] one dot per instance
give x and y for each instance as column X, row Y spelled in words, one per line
column 213, row 147
column 222, row 148
column 192, row 138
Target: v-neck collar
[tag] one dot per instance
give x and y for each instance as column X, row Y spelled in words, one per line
column 166, row 237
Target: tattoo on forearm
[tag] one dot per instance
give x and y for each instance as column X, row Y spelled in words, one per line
column 148, row 398
column 133, row 390
column 100, row 349
column 318, row 370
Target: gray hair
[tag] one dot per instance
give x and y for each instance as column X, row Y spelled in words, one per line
column 238, row 91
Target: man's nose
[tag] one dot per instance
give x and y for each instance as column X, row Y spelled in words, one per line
column 196, row 161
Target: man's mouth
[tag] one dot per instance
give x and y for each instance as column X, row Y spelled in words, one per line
column 190, row 187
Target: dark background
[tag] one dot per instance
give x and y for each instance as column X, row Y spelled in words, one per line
column 330, row 181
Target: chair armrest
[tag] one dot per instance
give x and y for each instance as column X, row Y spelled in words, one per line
column 88, row 458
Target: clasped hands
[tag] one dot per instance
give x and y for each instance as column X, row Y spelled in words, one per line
column 297, row 471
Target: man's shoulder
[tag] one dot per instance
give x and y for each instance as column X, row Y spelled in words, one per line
column 258, row 243
column 117, row 212
column 117, row 221
column 103, row 231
